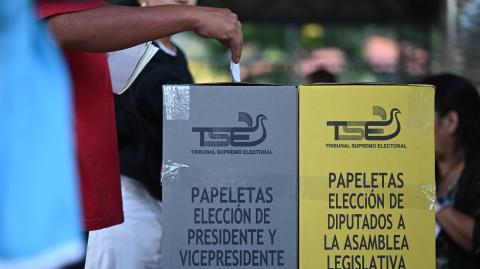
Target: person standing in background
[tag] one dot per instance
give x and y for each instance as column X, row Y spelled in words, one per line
column 40, row 223
column 86, row 29
column 136, row 243
column 457, row 152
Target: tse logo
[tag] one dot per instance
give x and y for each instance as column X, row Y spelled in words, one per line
column 233, row 136
column 370, row 130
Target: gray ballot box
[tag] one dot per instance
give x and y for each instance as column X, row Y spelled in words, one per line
column 230, row 176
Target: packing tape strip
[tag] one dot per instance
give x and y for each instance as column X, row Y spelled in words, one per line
column 284, row 185
column 176, row 102
column 171, row 170
column 420, row 196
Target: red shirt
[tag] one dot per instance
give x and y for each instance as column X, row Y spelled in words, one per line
column 95, row 126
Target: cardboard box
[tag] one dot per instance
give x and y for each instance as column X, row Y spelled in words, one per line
column 230, row 176
column 366, row 164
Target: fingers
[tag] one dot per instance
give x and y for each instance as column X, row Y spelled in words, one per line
column 236, row 44
column 223, row 25
column 234, row 36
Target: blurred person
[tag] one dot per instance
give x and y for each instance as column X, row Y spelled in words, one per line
column 40, row 223
column 321, row 76
column 136, row 243
column 86, row 29
column 457, row 151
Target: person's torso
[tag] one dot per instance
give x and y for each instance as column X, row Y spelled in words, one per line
column 139, row 118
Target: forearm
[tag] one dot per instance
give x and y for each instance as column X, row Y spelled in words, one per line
column 458, row 226
column 110, row 28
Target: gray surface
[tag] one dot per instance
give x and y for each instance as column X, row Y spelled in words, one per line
column 219, row 106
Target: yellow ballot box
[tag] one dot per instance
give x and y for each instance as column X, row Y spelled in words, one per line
column 366, row 165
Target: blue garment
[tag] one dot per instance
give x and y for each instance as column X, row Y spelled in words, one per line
column 39, row 199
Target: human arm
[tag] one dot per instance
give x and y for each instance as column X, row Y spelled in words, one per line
column 109, row 28
column 458, row 226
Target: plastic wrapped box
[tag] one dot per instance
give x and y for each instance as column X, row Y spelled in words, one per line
column 366, row 167
column 230, row 176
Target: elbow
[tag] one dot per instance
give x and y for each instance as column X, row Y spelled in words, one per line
column 58, row 27
column 468, row 239
column 69, row 34
column 469, row 243
column 61, row 40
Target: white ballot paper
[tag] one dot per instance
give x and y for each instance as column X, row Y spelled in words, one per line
column 235, row 71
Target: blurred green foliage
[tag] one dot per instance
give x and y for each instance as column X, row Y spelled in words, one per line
column 282, row 46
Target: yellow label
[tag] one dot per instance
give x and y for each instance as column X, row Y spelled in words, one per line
column 366, row 177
